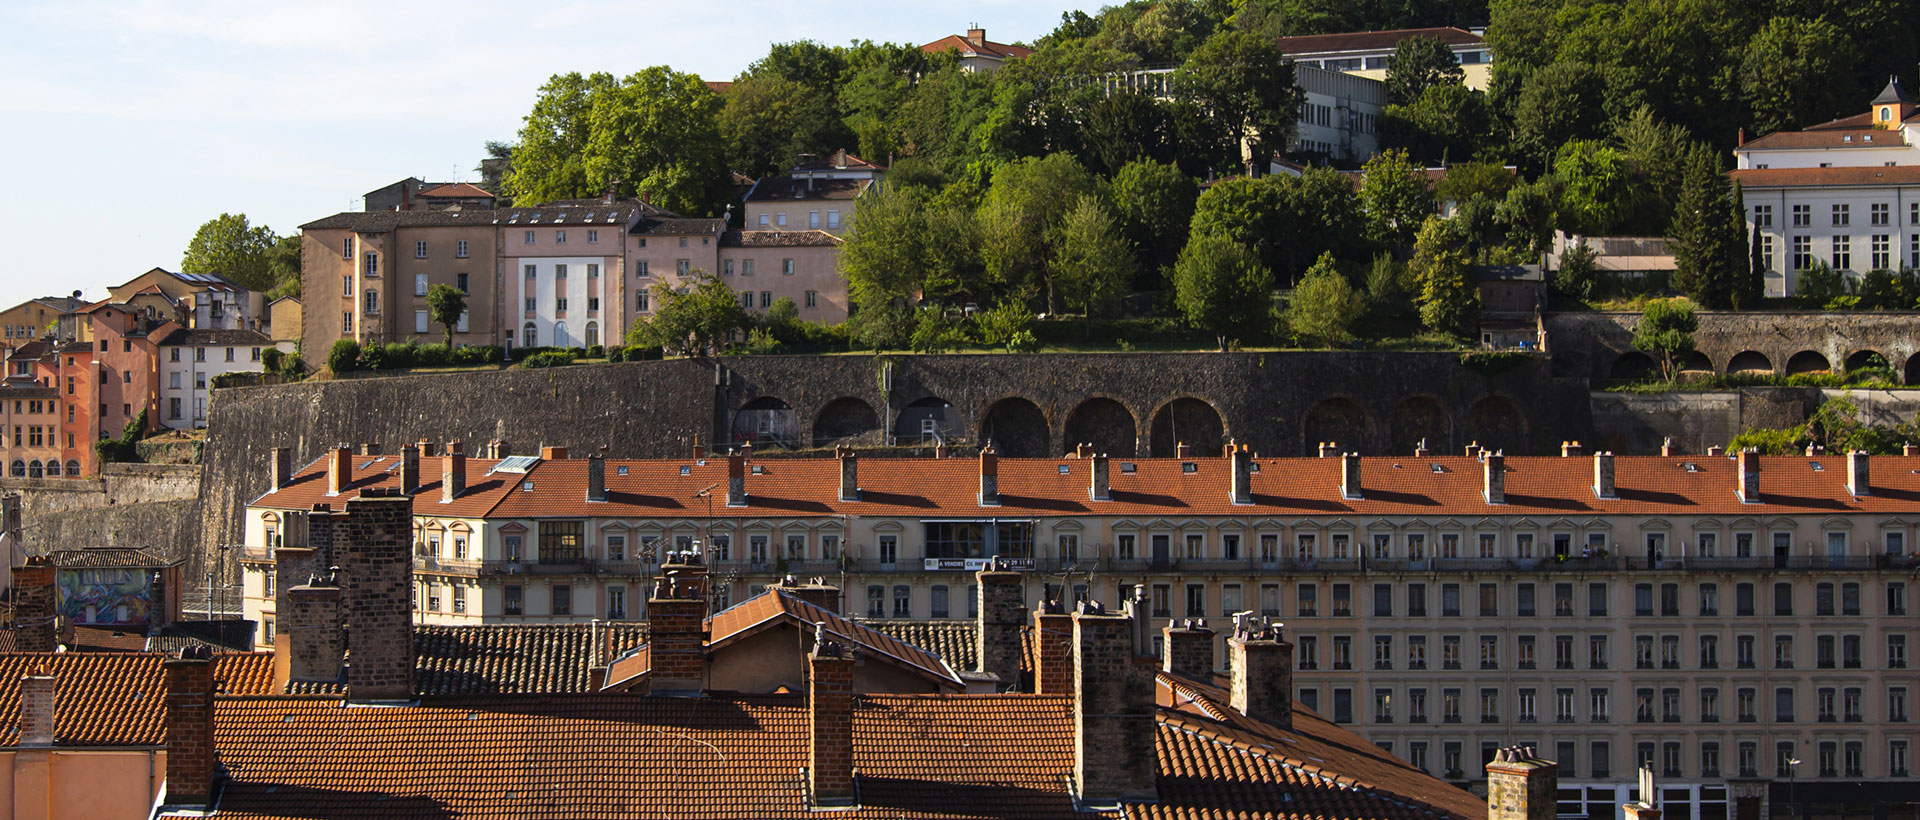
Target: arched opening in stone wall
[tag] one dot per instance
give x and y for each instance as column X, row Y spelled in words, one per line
column 1696, row 363
column 1808, row 361
column 1497, row 423
column 1104, row 423
column 846, row 420
column 1913, row 370
column 1867, row 360
column 1750, row 361
column 1189, row 421
column 931, row 420
column 767, row 422
column 1633, row 366
column 1017, row 429
column 1339, row 420
column 1418, row 419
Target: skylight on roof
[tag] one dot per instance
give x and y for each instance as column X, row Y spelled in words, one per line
column 1189, row 467
column 1126, row 467
column 686, row 469
column 515, row 464
column 1438, row 467
column 621, row 470
column 1065, row 470
column 526, row 486
column 1817, row 466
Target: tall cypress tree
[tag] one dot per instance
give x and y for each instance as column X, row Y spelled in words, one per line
column 1706, row 233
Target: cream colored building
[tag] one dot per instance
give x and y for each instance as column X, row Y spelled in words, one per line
column 1365, row 53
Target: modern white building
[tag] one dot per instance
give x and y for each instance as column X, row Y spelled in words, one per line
column 1845, row 193
column 189, row 362
column 560, row 300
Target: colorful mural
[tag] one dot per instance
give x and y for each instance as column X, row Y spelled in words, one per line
column 119, row 596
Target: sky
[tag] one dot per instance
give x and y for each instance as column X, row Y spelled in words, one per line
column 134, row 121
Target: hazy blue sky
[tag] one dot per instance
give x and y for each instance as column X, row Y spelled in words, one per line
column 132, row 122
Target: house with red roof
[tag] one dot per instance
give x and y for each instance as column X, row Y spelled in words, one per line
column 976, row 52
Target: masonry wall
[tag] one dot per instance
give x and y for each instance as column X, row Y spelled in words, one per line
column 1590, row 344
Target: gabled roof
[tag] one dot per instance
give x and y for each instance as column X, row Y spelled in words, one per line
column 215, row 337
column 455, row 190
column 110, row 557
column 774, row 608
column 1863, row 136
column 116, row 698
column 986, row 48
column 505, row 659
column 1373, row 40
column 1893, row 93
column 1872, row 176
column 839, row 160
column 798, row 189
column 779, row 239
column 676, row 226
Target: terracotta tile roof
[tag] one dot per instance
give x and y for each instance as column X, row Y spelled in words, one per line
column 116, row 698
column 773, row 607
column 309, row 486
column 456, row 190
column 1391, row 485
column 954, row 639
column 110, row 557
column 1861, row 120
column 1856, row 137
column 506, row 658
column 215, row 337
column 1373, row 40
column 839, row 160
column 679, row 227
column 796, row 189
column 1869, row 176
column 778, row 239
column 108, row 639
column 986, row 48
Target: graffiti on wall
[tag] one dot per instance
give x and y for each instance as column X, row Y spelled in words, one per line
column 106, row 596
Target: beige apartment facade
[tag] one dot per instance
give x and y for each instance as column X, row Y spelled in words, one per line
column 1711, row 627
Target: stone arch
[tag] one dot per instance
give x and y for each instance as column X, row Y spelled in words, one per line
column 1337, row 419
column 846, row 420
column 34, row 469
column 1750, row 361
column 1867, row 358
column 1498, row 424
column 1017, row 428
column 1187, row 420
column 1104, row 423
column 1420, row 418
column 766, row 421
column 1694, row 361
column 1633, row 365
column 53, row 468
column 930, row 420
column 1808, row 361
column 73, row 468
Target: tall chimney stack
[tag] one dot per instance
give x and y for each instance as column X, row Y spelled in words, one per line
column 280, row 469
column 1521, row 786
column 1749, row 489
column 36, row 618
column 315, row 645
column 676, row 616
column 1570, row 449
column 1859, row 482
column 339, row 470
column 409, row 469
column 737, row 480
column 989, row 477
column 1052, row 649
column 1494, row 487
column 1350, row 476
column 426, row 448
column 830, row 725
column 1603, row 476
column 849, row 473
column 552, row 453
column 596, row 477
column 453, row 473
column 37, row 708
column 1114, row 757
column 373, row 540
column 191, row 763
column 1187, row 649
column 1240, row 490
column 1099, row 481
column 1003, row 611
column 1262, row 670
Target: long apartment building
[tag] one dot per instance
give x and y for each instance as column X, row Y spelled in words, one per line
column 1715, row 618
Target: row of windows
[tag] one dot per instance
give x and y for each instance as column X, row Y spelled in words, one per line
column 1570, row 705
column 813, row 220
column 1832, row 758
column 460, row 245
column 1840, row 252
column 559, row 238
column 1840, row 214
column 1339, row 546
column 200, row 354
column 37, row 468
column 1649, row 651
column 1490, row 599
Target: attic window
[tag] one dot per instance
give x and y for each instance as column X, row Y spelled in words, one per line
column 622, row 469
column 1847, row 138
column 1438, row 467
column 1691, row 467
column 1189, row 467
column 1253, row 466
column 1064, row 469
column 1817, row 466
column 1127, row 468
column 1866, row 138
column 526, row 486
column 369, row 464
column 686, row 470
column 759, row 470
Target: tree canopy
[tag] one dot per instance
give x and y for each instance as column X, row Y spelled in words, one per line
column 252, row 256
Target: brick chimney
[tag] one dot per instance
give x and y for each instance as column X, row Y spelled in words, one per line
column 280, row 469
column 501, row 448
column 699, row 450
column 426, row 448
column 1099, row 484
column 1420, row 449
column 977, row 37
column 1240, row 488
column 409, row 469
column 849, row 473
column 737, row 480
column 1052, row 649
column 676, row 615
column 310, row 635
column 339, row 470
column 989, row 477
column 1327, row 449
column 1493, row 485
column 1262, row 669
column 1666, row 447
column 1749, row 487
column 36, row 621
column 816, row 591
column 1603, row 476
column 1859, row 482
column 829, row 725
column 596, row 477
column 553, row 453
column 373, row 541
column 1182, row 450
column 1003, row 612
column 37, row 708
column 1114, row 753
column 191, row 762
column 1570, row 449
column 453, row 473
column 1521, row 786
column 1187, row 649
column 1910, row 449
column 1350, row 476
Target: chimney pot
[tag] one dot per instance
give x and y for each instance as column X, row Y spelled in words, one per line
column 849, row 473
column 410, row 469
column 1910, row 449
column 1262, row 671
column 553, row 453
column 1240, row 490
column 1003, row 611
column 676, row 615
column 1570, row 449
column 1182, row 450
column 314, row 644
column 426, row 448
column 830, row 725
column 1420, row 449
column 1113, row 738
column 1666, row 447
column 1328, row 449
column 1521, row 786
column 339, row 470
column 1187, row 649
column 453, row 474
column 281, row 468
column 737, row 479
column 1052, row 649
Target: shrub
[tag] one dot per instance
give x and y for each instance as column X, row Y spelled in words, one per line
column 373, row 357
column 344, row 357
column 400, row 355
column 596, row 352
column 270, row 359
column 549, row 358
column 433, row 355
column 292, row 365
column 482, row 354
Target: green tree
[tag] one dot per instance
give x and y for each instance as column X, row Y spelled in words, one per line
column 549, row 162
column 696, row 317
column 1819, row 284
column 1448, row 299
column 1754, row 286
column 1125, row 128
column 1596, row 187
column 1445, row 124
column 1579, row 275
column 1788, row 73
column 229, row 246
column 285, row 265
column 1558, row 103
column 1396, row 198
column 494, row 169
column 654, row 133
column 1665, row 330
column 1527, row 215
column 906, row 243
column 344, row 356
column 1154, row 203
column 1248, row 212
column 1092, row 262
column 1708, row 250
column 1420, row 63
column 1220, row 285
column 445, row 305
column 1247, row 85
column 1023, row 209
column 1660, row 153
column 1322, row 214
column 760, row 122
column 1475, row 180
column 1324, row 305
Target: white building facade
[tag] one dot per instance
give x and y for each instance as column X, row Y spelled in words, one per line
column 189, row 362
